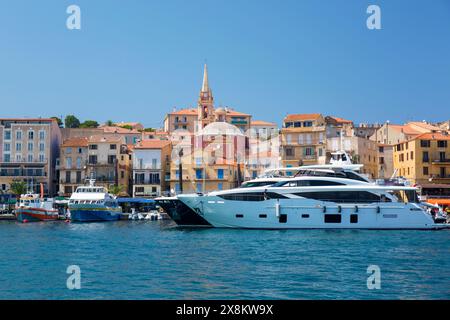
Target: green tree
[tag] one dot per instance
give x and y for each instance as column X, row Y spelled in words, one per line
column 116, row 189
column 109, row 123
column 149, row 130
column 71, row 121
column 58, row 120
column 127, row 126
column 18, row 187
column 89, row 124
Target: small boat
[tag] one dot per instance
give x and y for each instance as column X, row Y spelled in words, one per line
column 93, row 203
column 32, row 208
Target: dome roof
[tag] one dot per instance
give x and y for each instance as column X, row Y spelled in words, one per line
column 219, row 129
column 220, row 110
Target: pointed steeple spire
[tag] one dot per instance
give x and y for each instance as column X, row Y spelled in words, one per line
column 205, row 85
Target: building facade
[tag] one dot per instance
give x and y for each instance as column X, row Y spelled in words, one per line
column 29, row 149
column 338, row 126
column 72, row 165
column 151, row 165
column 109, row 162
column 424, row 159
column 303, row 140
column 385, row 161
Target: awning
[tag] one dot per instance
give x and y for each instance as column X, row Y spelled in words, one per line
column 441, row 202
column 136, row 200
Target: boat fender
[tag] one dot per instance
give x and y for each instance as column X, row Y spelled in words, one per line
column 378, row 209
column 277, row 208
column 25, row 221
column 324, row 209
column 356, row 209
column 339, row 209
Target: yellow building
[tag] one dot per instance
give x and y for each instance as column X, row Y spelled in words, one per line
column 424, row 159
column 303, row 140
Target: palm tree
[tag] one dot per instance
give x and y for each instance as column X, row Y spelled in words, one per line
column 116, row 189
column 18, row 187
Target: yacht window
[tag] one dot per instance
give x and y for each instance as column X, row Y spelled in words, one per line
column 307, row 183
column 405, row 195
column 252, row 196
column 343, row 196
column 354, row 176
column 253, row 184
column 332, row 218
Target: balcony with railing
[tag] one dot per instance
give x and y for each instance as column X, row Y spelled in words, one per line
column 147, row 181
column 35, row 162
column 441, row 161
column 146, row 194
column 21, row 172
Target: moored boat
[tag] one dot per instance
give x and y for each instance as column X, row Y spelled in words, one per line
column 315, row 202
column 33, row 208
column 93, row 203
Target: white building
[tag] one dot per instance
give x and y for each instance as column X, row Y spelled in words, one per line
column 151, row 165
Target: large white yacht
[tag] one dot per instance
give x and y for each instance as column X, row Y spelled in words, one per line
column 340, row 166
column 309, row 202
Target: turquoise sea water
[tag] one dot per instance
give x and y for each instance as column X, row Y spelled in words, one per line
column 154, row 260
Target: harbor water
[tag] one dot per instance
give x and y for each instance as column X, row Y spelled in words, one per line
column 155, row 260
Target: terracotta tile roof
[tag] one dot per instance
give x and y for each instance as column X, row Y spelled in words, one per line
column 423, row 125
column 100, row 138
column 120, row 130
column 311, row 116
column 75, row 142
column 186, row 112
column 236, row 113
column 404, row 128
column 433, row 136
column 340, row 120
column 262, row 123
column 28, row 119
column 409, row 130
column 152, row 144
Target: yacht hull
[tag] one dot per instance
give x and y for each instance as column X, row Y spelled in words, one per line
column 181, row 214
column 309, row 214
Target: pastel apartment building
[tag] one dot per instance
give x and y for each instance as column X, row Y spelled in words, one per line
column 72, row 165
column 424, row 159
column 29, row 149
column 109, row 161
column 303, row 140
column 151, row 165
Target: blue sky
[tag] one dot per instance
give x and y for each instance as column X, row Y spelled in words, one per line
column 136, row 60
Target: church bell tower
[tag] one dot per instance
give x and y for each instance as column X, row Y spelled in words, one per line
column 205, row 102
